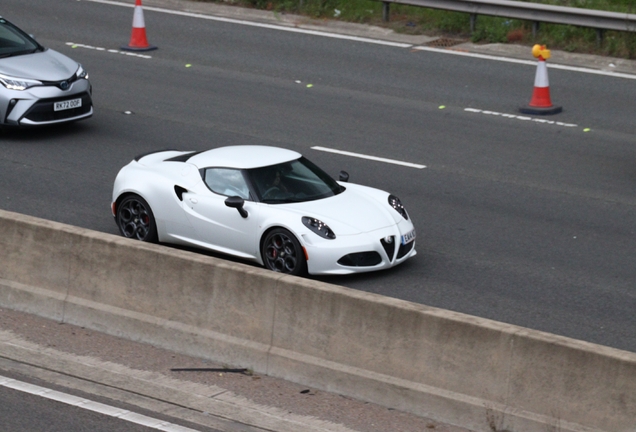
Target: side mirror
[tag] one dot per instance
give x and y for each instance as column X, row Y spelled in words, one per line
column 344, row 176
column 237, row 203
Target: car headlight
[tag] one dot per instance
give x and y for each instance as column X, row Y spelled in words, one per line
column 81, row 73
column 13, row 83
column 397, row 205
column 319, row 227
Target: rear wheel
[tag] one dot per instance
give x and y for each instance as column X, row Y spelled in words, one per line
column 135, row 219
column 282, row 253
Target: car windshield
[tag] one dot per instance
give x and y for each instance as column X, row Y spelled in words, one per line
column 14, row 41
column 296, row 181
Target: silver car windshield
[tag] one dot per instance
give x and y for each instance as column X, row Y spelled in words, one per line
column 14, row 41
column 296, row 181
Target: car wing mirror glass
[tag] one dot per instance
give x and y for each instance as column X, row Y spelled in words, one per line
column 344, row 176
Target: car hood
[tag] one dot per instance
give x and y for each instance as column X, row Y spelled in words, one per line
column 356, row 210
column 48, row 65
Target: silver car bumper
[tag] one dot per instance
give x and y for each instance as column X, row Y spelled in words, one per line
column 34, row 107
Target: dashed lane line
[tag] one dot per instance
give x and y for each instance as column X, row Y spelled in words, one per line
column 374, row 158
column 128, row 53
column 518, row 117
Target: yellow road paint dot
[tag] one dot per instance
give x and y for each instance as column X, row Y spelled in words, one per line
column 74, row 46
column 442, row 106
column 188, row 65
column 310, row 85
column 586, row 130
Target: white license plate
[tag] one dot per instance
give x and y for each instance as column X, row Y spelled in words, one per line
column 69, row 104
column 408, row 237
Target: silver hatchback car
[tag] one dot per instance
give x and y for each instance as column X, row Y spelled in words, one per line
column 39, row 86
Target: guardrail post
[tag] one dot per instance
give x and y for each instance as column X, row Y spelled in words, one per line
column 535, row 28
column 473, row 21
column 599, row 37
column 385, row 11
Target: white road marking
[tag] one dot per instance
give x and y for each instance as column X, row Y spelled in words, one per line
column 369, row 40
column 476, row 55
column 92, row 406
column 518, row 117
column 374, row 158
column 261, row 25
column 128, row 53
column 525, row 62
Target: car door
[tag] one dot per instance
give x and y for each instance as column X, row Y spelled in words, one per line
column 218, row 226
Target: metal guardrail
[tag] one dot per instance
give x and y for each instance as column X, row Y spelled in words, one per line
column 535, row 12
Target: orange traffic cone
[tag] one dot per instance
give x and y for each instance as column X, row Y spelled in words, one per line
column 540, row 102
column 138, row 41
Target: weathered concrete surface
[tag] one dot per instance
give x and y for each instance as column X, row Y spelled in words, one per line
column 462, row 370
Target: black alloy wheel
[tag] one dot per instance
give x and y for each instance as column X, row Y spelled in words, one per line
column 135, row 219
column 282, row 253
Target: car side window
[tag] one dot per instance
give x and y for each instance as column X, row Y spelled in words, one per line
column 227, row 181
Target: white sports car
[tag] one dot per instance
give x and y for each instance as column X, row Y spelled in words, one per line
column 265, row 204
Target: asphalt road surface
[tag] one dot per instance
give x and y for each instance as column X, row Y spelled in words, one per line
column 520, row 221
column 23, row 408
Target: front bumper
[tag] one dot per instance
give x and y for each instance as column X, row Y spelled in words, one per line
column 358, row 253
column 34, row 106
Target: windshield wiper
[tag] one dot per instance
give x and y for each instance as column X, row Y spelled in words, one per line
column 281, row 201
column 14, row 54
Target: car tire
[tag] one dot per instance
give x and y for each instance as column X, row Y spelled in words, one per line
column 281, row 252
column 135, row 219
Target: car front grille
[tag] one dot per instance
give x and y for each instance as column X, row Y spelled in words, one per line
column 404, row 249
column 62, row 85
column 389, row 246
column 361, row 259
column 42, row 111
column 373, row 258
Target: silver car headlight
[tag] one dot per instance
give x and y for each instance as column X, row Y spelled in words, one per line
column 397, row 205
column 81, row 73
column 13, row 83
column 319, row 227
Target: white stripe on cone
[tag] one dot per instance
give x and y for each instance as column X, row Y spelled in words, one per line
column 541, row 77
column 138, row 18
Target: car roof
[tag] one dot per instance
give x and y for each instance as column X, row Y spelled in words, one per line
column 243, row 157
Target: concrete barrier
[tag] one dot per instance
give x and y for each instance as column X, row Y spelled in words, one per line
column 472, row 372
